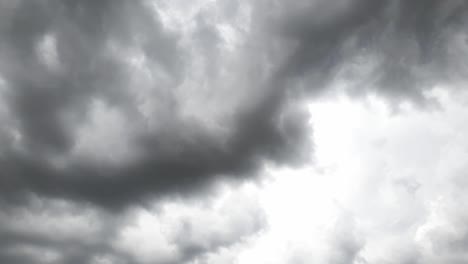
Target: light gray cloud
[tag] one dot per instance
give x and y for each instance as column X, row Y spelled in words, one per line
column 176, row 231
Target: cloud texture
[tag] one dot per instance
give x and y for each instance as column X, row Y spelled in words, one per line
column 115, row 96
column 107, row 105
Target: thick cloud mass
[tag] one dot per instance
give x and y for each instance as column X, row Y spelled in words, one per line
column 56, row 231
column 105, row 102
column 110, row 104
column 90, row 122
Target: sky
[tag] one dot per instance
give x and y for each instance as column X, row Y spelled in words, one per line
column 233, row 131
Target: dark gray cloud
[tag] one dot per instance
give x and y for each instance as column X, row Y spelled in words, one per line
column 59, row 231
column 181, row 105
column 48, row 231
column 405, row 42
column 57, row 60
column 47, row 105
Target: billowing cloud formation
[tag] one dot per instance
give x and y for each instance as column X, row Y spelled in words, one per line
column 57, row 231
column 385, row 188
column 109, row 104
column 105, row 103
column 111, row 101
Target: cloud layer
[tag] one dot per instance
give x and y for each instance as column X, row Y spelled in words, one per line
column 117, row 96
column 108, row 105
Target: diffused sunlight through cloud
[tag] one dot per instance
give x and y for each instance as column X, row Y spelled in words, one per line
column 380, row 189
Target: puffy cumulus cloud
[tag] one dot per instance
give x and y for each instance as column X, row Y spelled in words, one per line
column 175, row 231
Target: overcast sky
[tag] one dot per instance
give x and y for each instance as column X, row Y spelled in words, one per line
column 233, row 131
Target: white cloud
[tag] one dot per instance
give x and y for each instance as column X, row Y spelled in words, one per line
column 177, row 232
column 385, row 188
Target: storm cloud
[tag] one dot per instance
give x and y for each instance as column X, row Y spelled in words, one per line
column 108, row 105
column 65, row 61
column 66, row 64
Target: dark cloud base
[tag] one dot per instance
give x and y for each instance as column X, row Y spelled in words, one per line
column 404, row 35
column 39, row 98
